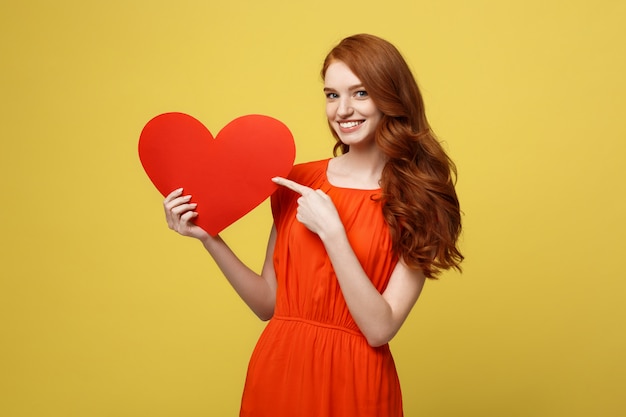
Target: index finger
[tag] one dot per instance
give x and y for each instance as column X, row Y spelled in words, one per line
column 177, row 192
column 292, row 185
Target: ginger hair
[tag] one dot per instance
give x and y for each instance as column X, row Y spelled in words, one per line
column 418, row 198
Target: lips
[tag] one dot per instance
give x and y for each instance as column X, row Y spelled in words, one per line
column 349, row 125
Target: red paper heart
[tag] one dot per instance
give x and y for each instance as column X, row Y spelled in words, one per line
column 227, row 176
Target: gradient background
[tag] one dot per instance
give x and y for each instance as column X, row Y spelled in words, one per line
column 105, row 312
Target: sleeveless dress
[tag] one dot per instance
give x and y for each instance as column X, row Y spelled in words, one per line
column 312, row 360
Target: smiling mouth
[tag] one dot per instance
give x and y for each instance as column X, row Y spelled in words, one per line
column 350, row 125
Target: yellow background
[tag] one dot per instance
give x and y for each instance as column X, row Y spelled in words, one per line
column 105, row 312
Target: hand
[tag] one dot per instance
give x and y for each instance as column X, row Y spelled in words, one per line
column 179, row 213
column 316, row 209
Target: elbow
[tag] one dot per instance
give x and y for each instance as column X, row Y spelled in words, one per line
column 264, row 309
column 381, row 333
column 375, row 343
column 379, row 339
column 265, row 315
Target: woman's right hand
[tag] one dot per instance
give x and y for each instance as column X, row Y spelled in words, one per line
column 179, row 213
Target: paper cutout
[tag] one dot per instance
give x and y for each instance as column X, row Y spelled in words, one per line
column 227, row 176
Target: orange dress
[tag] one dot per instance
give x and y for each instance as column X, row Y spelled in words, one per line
column 312, row 359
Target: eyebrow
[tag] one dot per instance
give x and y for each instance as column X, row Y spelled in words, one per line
column 352, row 88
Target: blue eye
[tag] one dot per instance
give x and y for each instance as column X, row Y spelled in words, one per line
column 331, row 95
column 361, row 93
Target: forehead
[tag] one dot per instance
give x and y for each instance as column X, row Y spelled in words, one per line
column 339, row 75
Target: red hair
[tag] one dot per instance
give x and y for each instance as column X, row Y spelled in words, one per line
column 419, row 201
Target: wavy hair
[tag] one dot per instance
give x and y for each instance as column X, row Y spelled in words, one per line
column 419, row 201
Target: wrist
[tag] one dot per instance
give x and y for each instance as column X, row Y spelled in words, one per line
column 210, row 241
column 333, row 235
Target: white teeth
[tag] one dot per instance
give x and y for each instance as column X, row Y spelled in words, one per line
column 347, row 125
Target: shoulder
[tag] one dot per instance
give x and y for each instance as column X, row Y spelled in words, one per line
column 309, row 173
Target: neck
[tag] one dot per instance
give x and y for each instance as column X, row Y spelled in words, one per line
column 359, row 168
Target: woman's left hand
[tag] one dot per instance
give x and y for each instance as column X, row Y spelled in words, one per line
column 316, row 209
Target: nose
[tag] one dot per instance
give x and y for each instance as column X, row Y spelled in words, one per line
column 344, row 109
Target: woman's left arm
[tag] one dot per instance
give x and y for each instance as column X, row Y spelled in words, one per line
column 379, row 316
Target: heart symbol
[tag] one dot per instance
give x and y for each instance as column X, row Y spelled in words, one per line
column 227, row 176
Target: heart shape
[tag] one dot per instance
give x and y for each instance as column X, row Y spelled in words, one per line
column 227, row 176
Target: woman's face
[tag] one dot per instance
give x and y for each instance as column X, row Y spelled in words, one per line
column 350, row 110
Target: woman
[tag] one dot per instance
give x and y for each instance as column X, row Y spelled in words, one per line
column 353, row 241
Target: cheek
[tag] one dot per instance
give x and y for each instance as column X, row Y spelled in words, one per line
column 375, row 114
column 331, row 109
column 372, row 110
column 379, row 118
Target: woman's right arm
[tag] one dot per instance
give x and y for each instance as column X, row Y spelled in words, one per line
column 257, row 291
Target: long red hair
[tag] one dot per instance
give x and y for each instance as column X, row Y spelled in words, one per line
column 419, row 201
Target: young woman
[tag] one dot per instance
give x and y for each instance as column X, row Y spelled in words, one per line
column 353, row 241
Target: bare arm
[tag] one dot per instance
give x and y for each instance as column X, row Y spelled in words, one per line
column 258, row 291
column 379, row 316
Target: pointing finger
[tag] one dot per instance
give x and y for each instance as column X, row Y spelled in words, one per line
column 292, row 185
